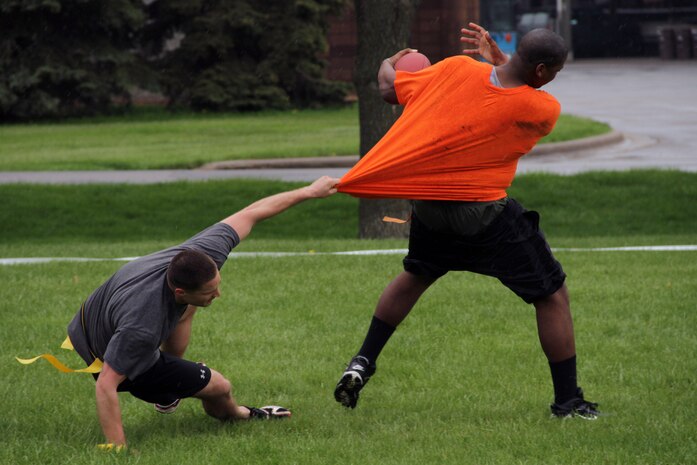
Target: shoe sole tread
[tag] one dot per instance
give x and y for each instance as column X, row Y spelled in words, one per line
column 346, row 392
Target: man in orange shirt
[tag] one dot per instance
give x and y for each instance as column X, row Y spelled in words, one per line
column 454, row 151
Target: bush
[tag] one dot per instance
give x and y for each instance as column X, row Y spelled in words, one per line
column 243, row 55
column 65, row 57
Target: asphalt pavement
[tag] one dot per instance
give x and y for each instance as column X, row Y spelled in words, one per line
column 650, row 104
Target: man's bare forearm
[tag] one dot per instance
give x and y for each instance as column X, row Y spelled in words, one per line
column 275, row 204
column 244, row 220
column 109, row 413
column 386, row 77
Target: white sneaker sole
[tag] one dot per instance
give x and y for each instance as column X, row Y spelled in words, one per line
column 167, row 409
column 347, row 388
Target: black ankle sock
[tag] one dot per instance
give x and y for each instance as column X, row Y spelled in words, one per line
column 378, row 335
column 564, row 379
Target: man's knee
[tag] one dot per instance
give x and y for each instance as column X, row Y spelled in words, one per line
column 557, row 301
column 421, row 281
column 218, row 386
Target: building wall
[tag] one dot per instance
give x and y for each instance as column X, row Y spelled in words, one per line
column 600, row 28
column 435, row 32
column 630, row 27
column 342, row 39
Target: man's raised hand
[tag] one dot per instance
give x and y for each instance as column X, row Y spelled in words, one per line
column 483, row 43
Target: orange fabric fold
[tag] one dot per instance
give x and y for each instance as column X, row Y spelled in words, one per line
column 459, row 137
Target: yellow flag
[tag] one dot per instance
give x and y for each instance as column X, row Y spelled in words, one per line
column 95, row 367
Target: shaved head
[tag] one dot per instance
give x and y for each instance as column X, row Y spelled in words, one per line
column 542, row 46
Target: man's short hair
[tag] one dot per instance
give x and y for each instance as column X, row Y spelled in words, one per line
column 190, row 269
column 542, row 46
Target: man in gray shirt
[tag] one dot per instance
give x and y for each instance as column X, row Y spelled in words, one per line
column 138, row 322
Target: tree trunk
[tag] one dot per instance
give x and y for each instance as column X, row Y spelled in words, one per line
column 383, row 29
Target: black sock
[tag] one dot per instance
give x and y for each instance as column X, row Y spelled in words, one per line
column 378, row 335
column 564, row 379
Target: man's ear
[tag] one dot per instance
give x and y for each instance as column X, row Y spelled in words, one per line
column 178, row 291
column 540, row 69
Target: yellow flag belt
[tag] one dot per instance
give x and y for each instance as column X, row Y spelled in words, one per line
column 95, row 367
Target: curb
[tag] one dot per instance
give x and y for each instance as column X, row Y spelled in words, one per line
column 347, row 161
column 586, row 143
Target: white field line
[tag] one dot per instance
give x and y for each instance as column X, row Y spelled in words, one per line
column 640, row 248
column 635, row 248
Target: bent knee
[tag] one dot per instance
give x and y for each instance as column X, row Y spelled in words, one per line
column 556, row 301
column 219, row 383
column 218, row 386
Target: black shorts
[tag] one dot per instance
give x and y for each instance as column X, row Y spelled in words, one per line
column 169, row 379
column 512, row 248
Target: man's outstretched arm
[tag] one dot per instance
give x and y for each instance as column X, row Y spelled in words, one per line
column 244, row 220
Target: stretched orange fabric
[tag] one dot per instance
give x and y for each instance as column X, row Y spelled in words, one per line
column 459, row 137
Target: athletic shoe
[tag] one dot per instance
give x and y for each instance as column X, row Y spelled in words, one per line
column 356, row 375
column 576, row 407
column 168, row 408
column 267, row 412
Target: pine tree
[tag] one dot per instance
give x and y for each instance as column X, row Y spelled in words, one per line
column 65, row 57
column 242, row 55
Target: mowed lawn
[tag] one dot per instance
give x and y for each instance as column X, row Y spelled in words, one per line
column 157, row 139
column 463, row 380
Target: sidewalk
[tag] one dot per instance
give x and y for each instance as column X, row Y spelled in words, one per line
column 288, row 169
column 651, row 104
column 588, row 143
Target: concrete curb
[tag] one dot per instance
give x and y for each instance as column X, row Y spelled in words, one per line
column 348, row 161
column 586, row 143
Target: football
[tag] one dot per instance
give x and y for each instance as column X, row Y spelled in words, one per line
column 412, row 62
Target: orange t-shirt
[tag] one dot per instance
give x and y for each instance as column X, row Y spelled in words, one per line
column 459, row 137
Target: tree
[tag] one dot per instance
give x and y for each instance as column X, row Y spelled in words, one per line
column 383, row 29
column 65, row 57
column 243, row 55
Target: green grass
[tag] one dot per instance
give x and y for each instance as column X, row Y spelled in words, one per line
column 160, row 140
column 179, row 141
column 478, row 384
column 570, row 127
column 603, row 204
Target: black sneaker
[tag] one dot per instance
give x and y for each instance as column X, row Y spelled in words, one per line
column 268, row 412
column 356, row 375
column 576, row 407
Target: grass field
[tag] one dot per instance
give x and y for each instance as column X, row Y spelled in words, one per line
column 463, row 380
column 160, row 140
column 602, row 204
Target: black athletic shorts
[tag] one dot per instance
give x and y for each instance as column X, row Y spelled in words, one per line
column 512, row 248
column 171, row 378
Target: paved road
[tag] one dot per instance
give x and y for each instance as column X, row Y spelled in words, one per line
column 159, row 176
column 652, row 102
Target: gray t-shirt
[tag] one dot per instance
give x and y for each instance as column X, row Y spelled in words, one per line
column 131, row 314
